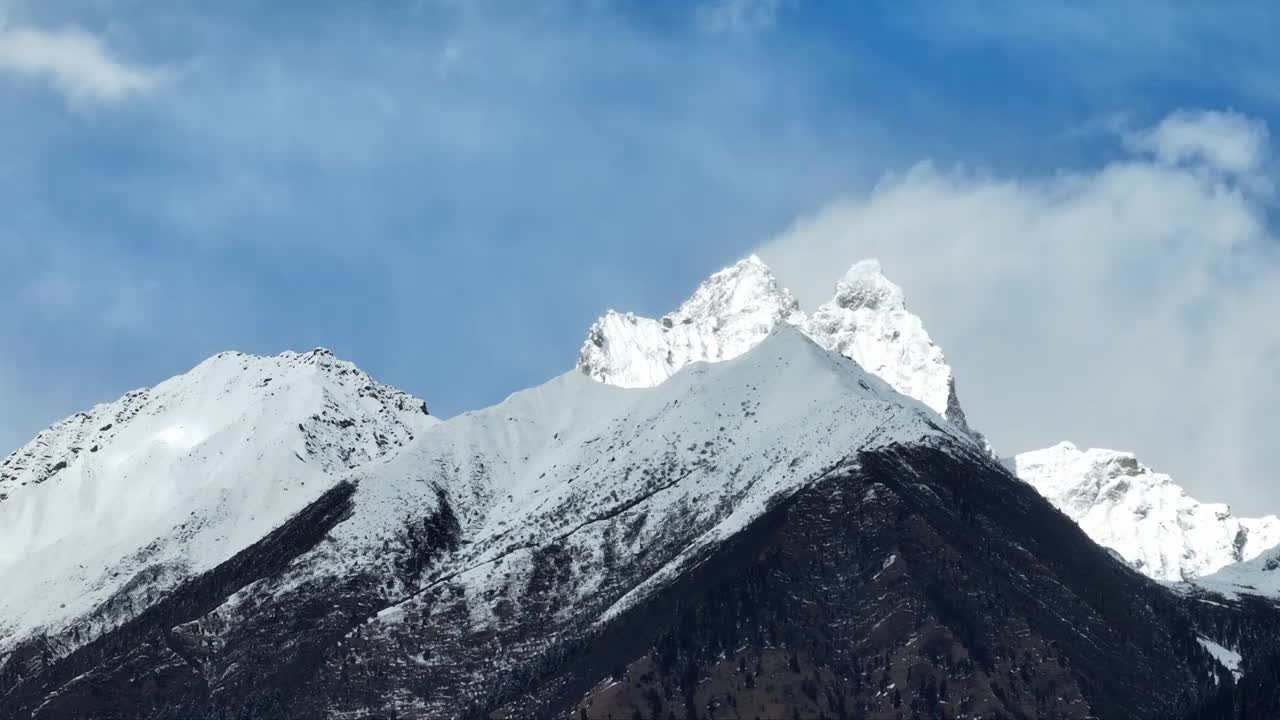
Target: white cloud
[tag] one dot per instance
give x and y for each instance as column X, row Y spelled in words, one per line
column 1227, row 141
column 1130, row 306
column 75, row 63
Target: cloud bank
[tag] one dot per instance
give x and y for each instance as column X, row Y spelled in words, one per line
column 1132, row 305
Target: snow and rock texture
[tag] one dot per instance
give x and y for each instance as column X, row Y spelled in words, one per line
column 1143, row 515
column 105, row 511
column 587, row 550
column 727, row 315
column 867, row 320
column 713, row 447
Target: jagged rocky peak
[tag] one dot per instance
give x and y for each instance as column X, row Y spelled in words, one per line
column 170, row 480
column 1143, row 515
column 728, row 314
column 744, row 291
column 864, row 285
column 867, row 321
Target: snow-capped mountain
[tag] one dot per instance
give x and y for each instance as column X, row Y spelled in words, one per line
column 867, row 321
column 780, row 532
column 1143, row 515
column 712, row 447
column 107, row 509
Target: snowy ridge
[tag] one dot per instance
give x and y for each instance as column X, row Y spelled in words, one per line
column 867, row 321
column 606, row 476
column 135, row 495
column 1143, row 515
column 1258, row 576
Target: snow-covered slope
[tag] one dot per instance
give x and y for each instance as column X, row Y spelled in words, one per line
column 744, row 430
column 867, row 321
column 118, row 503
column 1258, row 576
column 611, row 477
column 1143, row 515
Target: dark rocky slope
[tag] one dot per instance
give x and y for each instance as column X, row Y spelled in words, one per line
column 993, row 605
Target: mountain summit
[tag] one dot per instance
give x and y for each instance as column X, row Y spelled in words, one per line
column 118, row 504
column 866, row 320
column 727, row 315
column 1142, row 514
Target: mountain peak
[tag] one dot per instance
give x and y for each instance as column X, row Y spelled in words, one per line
column 748, row 287
column 865, row 285
column 240, row 441
column 866, row 320
column 1142, row 514
column 727, row 314
column 317, row 355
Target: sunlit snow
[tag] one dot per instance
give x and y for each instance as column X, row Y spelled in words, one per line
column 177, row 478
column 1143, row 515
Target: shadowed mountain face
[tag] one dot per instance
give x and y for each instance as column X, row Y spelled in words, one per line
column 923, row 583
column 916, row 581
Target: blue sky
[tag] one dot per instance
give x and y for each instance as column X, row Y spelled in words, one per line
column 448, row 193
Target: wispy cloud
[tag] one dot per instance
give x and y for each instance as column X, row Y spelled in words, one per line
column 739, row 16
column 1227, row 141
column 75, row 63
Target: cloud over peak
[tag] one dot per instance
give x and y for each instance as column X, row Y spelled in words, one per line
column 1129, row 304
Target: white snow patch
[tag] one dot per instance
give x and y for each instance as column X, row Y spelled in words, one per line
column 1229, row 659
